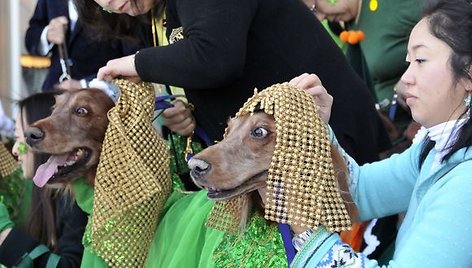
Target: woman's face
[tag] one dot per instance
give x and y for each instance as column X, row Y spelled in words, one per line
column 342, row 10
column 21, row 149
column 130, row 7
column 431, row 93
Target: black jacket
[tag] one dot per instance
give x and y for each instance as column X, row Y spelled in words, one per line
column 86, row 54
column 231, row 47
column 70, row 222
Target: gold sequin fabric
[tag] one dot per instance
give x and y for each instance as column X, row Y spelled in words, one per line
column 226, row 215
column 301, row 185
column 8, row 163
column 132, row 181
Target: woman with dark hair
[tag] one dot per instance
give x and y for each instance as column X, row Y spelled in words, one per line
column 430, row 181
column 56, row 224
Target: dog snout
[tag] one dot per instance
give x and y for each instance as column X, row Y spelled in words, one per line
column 34, row 135
column 198, row 168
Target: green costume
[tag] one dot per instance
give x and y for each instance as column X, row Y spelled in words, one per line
column 182, row 240
column 387, row 30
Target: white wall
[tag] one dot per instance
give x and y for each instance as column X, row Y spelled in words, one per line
column 14, row 17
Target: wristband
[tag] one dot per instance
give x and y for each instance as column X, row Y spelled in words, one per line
column 108, row 88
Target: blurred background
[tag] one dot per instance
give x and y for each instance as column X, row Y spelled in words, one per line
column 20, row 74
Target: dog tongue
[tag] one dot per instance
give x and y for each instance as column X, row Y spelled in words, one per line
column 46, row 170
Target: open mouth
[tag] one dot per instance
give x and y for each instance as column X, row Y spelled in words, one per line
column 59, row 166
column 249, row 185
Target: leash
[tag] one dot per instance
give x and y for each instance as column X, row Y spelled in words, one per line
column 65, row 63
column 286, row 234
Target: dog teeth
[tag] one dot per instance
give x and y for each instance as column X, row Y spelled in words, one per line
column 212, row 189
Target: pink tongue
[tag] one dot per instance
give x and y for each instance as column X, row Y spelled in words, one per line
column 46, row 170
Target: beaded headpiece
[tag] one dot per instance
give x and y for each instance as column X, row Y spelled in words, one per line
column 301, row 186
column 132, row 181
column 8, row 164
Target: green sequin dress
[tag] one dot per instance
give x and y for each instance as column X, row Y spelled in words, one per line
column 181, row 238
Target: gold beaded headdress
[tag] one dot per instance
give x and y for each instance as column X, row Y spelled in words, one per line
column 132, row 182
column 8, row 163
column 301, row 185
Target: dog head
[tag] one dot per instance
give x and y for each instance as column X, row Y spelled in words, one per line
column 286, row 153
column 73, row 135
column 239, row 164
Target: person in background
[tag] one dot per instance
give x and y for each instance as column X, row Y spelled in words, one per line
column 379, row 59
column 219, row 62
column 431, row 179
column 53, row 233
column 55, row 24
column 378, row 55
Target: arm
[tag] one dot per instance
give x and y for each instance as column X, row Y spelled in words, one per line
column 42, row 32
column 37, row 23
column 385, row 187
column 384, row 182
column 213, row 50
column 437, row 235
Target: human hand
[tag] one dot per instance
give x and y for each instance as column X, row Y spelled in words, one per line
column 311, row 83
column 57, row 29
column 179, row 118
column 342, row 10
column 69, row 85
column 121, row 67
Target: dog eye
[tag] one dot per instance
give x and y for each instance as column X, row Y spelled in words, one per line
column 81, row 111
column 259, row 132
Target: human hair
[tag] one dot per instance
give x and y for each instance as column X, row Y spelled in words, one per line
column 110, row 25
column 41, row 222
column 451, row 22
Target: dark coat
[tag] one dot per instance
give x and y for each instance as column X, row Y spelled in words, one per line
column 231, row 47
column 70, row 223
column 86, row 54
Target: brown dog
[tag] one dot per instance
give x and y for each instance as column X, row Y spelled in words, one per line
column 239, row 164
column 73, row 135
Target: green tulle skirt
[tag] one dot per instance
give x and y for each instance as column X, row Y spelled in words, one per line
column 182, row 240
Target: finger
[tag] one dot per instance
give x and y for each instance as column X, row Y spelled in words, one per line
column 296, row 80
column 188, row 129
column 179, row 117
column 321, row 96
column 309, row 81
column 179, row 108
column 181, row 126
column 103, row 74
column 62, row 20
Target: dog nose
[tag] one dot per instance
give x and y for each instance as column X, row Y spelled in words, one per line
column 198, row 168
column 34, row 135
